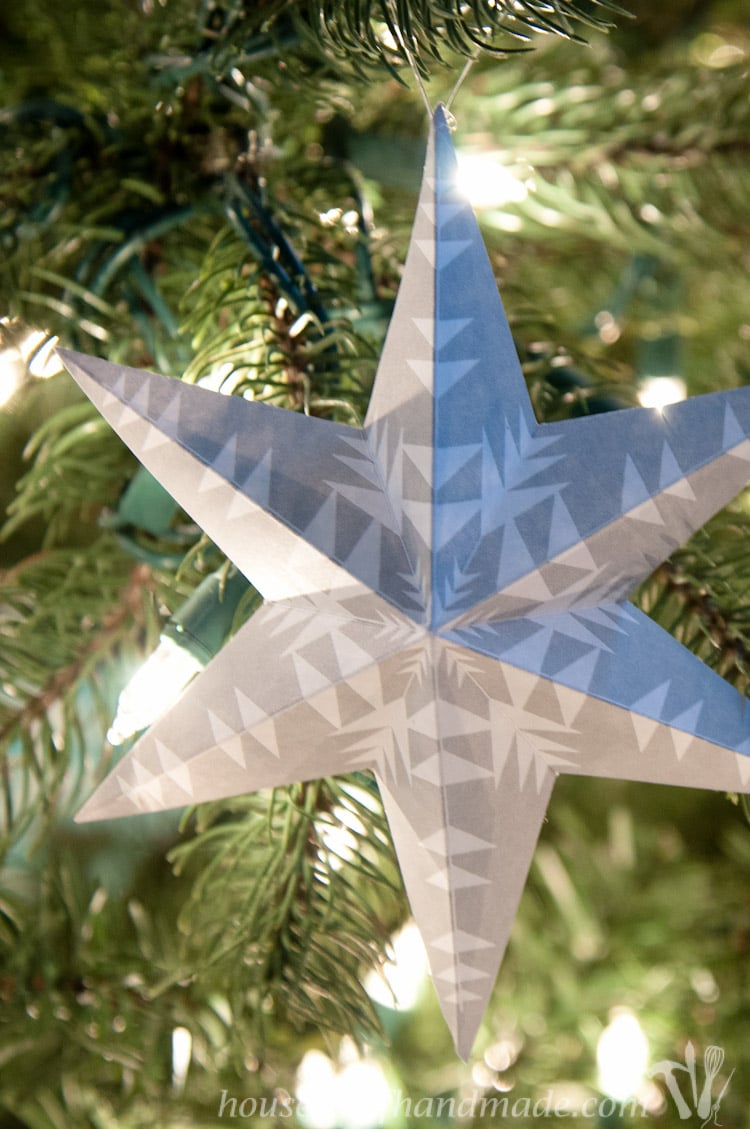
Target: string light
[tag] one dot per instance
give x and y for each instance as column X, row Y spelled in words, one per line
column 190, row 640
column 488, row 183
column 351, row 1094
column 659, row 391
column 182, row 1049
column 12, row 374
column 38, row 349
column 156, row 686
column 400, row 982
column 658, row 367
column 622, row 1056
column 24, row 352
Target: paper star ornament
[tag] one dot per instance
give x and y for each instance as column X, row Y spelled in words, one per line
column 445, row 595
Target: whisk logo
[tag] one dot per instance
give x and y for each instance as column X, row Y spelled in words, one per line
column 705, row 1105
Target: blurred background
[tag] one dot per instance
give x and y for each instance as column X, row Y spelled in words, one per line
column 223, row 190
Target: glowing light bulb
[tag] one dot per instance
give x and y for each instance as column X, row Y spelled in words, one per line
column 38, row 350
column 153, row 689
column 12, row 372
column 622, row 1056
column 385, row 35
column 182, row 1049
column 363, row 1096
column 659, row 391
column 400, row 981
column 218, row 380
column 315, row 1089
column 34, row 354
column 339, row 837
column 487, row 183
column 353, row 1094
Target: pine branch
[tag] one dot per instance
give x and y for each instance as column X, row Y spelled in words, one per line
column 700, row 595
column 305, row 898
column 65, row 624
column 129, row 608
column 358, row 39
column 615, row 159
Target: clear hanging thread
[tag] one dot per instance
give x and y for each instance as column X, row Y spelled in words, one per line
column 450, row 119
column 412, row 64
column 458, row 84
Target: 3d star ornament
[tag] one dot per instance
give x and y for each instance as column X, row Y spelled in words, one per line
column 445, row 595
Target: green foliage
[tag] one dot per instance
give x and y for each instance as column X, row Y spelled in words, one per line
column 672, row 182
column 276, row 912
column 365, row 40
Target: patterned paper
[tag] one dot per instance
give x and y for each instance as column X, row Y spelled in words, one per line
column 445, row 595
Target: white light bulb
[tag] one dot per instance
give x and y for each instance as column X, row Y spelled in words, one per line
column 487, row 183
column 622, row 1056
column 38, row 350
column 315, row 1090
column 363, row 1096
column 182, row 1049
column 35, row 354
column 400, row 981
column 217, row 381
column 659, row 391
column 355, row 1096
column 339, row 837
column 153, row 689
column 12, row 372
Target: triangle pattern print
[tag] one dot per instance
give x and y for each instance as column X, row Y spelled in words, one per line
column 445, row 595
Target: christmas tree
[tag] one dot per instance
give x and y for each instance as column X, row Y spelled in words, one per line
column 224, row 192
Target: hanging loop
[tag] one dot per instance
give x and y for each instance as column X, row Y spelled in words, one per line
column 461, row 79
column 410, row 59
